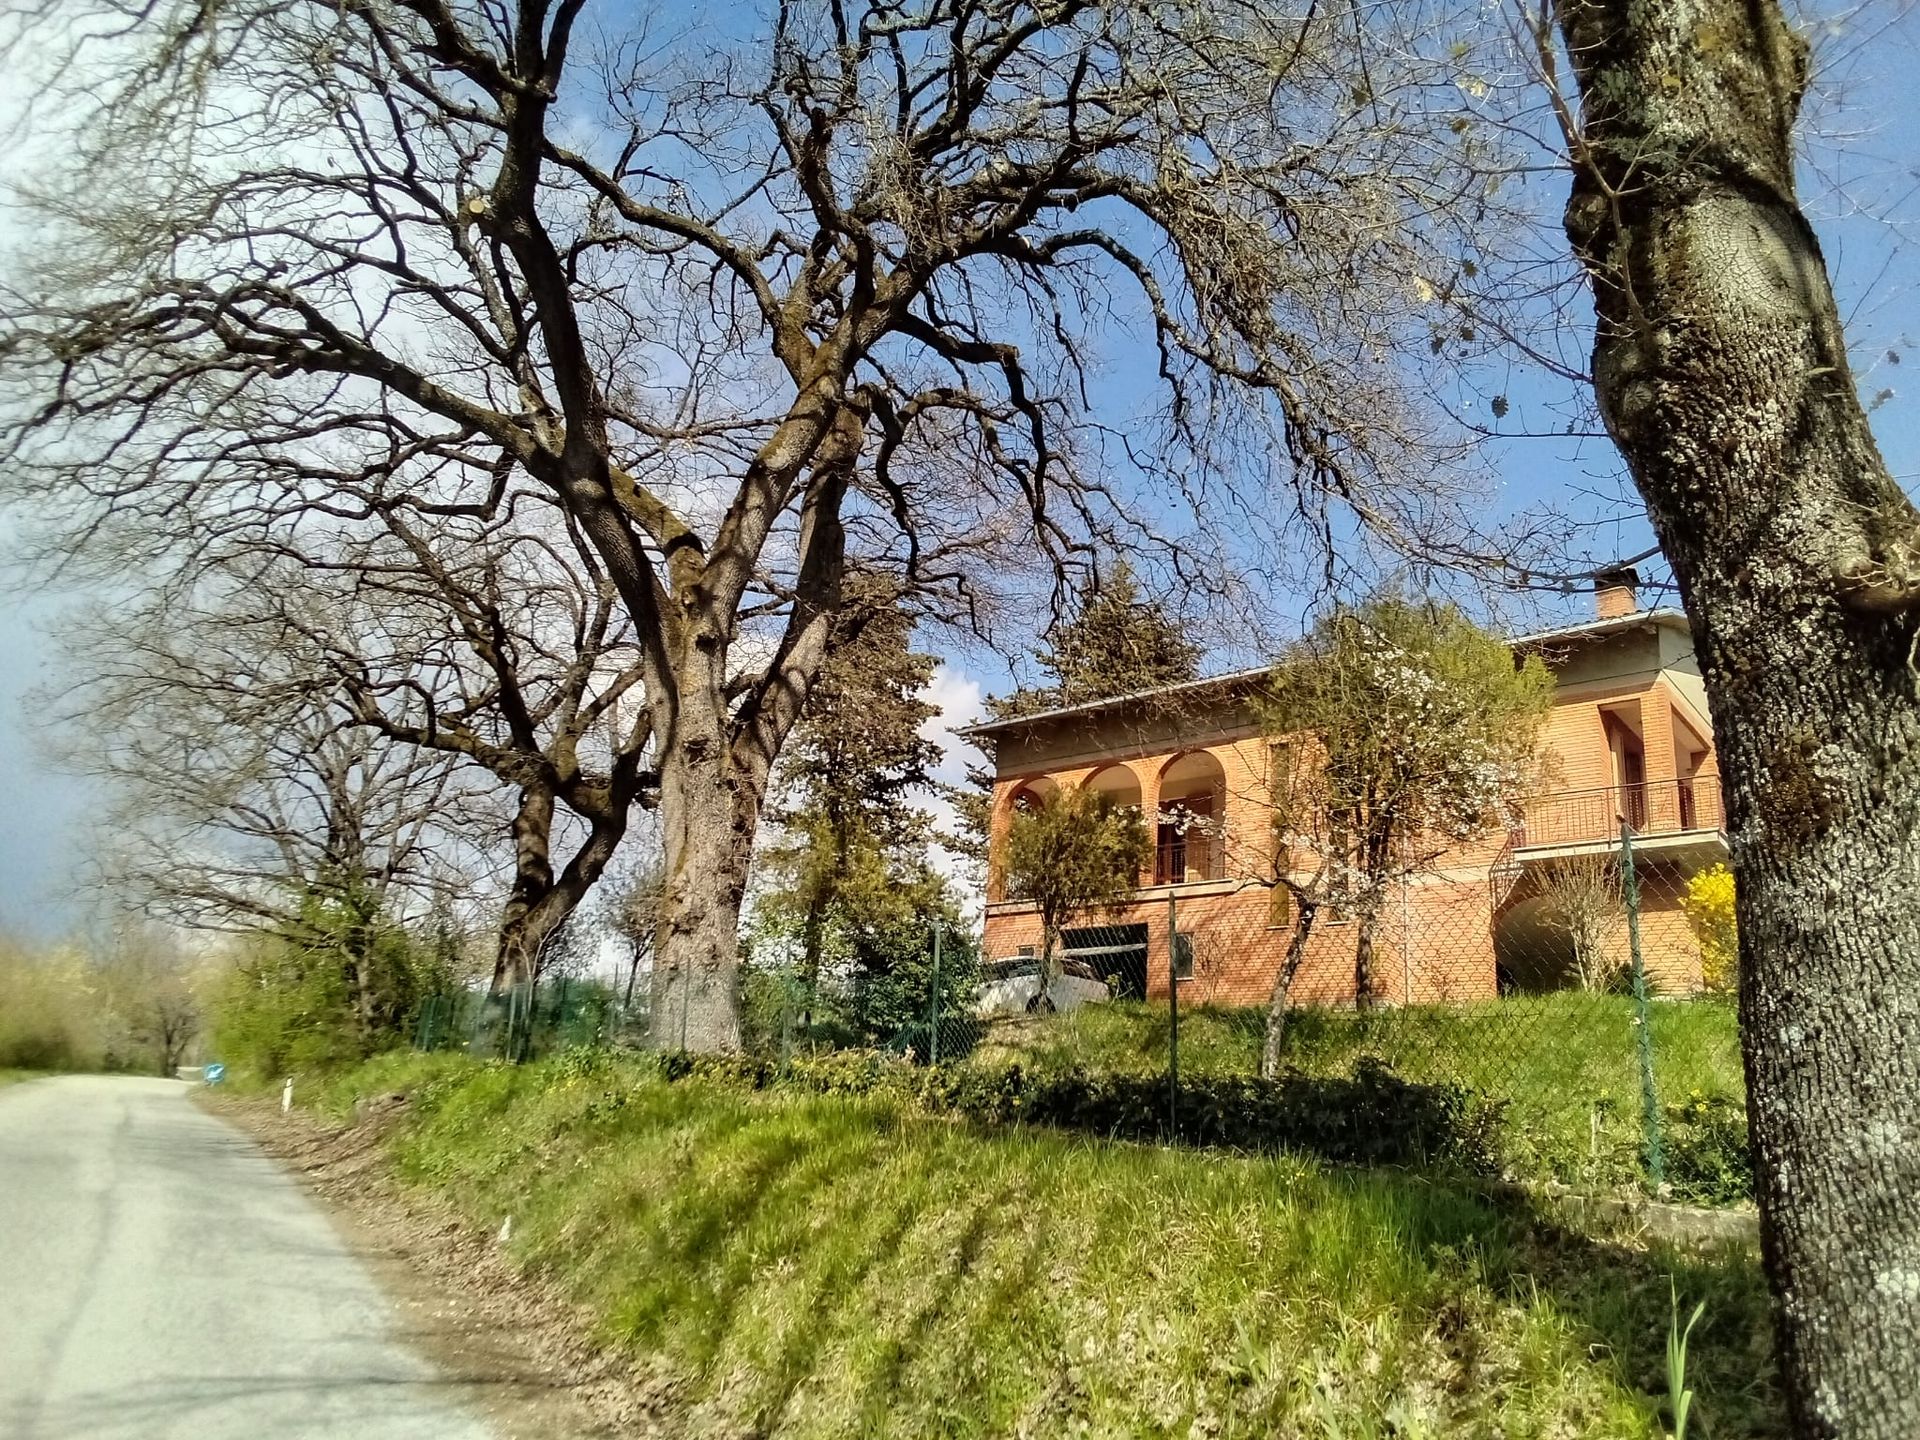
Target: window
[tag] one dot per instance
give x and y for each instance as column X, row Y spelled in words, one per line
column 1025, row 952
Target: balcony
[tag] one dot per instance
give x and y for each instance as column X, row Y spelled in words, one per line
column 1188, row 859
column 1662, row 813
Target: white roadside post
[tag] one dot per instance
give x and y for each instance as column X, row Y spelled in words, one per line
column 286, row 1096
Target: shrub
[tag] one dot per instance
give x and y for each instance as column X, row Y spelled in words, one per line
column 1708, row 904
column 1374, row 1117
column 50, row 1019
column 347, row 983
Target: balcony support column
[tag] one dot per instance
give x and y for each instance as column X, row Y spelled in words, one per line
column 1149, row 812
column 1656, row 739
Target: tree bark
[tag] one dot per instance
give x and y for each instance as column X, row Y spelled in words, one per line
column 1722, row 372
column 540, row 902
column 710, row 811
column 526, row 921
column 1365, row 924
column 1282, row 995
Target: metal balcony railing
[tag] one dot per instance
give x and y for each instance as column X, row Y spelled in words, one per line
column 1188, row 860
column 1657, row 807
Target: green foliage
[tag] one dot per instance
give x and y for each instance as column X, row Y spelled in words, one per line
column 805, row 1264
column 869, row 977
column 857, row 757
column 1707, row 1159
column 1679, row 1396
column 839, row 941
column 347, row 982
column 49, row 1012
column 1561, row 1066
column 131, row 1005
column 1116, row 642
column 1372, row 1117
column 1077, row 853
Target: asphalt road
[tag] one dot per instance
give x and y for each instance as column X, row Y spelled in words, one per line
column 160, row 1277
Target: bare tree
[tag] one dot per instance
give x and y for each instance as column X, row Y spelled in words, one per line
column 1582, row 899
column 237, row 789
column 746, row 308
column 489, row 653
column 1722, row 372
column 148, row 985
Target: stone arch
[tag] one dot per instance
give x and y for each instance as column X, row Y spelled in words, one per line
column 1189, row 833
column 1116, row 782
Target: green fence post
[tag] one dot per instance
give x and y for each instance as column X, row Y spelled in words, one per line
column 933, row 999
column 1642, row 1018
column 1173, row 1019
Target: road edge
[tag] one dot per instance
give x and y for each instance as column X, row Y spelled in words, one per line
column 525, row 1357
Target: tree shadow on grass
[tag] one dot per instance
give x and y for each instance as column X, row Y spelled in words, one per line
column 1435, row 1149
column 1429, row 1151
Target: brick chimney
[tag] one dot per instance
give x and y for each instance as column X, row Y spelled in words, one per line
column 1616, row 592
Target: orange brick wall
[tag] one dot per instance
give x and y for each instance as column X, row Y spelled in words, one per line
column 1434, row 941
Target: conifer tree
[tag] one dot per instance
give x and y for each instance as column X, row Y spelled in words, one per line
column 852, row 769
column 1117, row 641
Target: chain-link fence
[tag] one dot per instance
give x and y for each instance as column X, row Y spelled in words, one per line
column 1580, row 986
column 528, row 1021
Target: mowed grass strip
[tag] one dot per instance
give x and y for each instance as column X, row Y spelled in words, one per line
column 807, row 1265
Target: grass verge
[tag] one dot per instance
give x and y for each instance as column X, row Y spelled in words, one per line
column 825, row 1265
column 1565, row 1065
column 14, row 1077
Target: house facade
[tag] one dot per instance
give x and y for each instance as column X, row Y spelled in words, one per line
column 1627, row 739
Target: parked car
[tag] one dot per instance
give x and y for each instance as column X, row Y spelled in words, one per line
column 1011, row 986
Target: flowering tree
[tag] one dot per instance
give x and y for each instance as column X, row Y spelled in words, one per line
column 1402, row 730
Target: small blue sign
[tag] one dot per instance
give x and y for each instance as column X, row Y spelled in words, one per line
column 214, row 1073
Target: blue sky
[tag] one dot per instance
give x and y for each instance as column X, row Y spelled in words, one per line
column 1861, row 182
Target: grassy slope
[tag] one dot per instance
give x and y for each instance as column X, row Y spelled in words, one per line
column 808, row 1266
column 1555, row 1059
column 14, row 1077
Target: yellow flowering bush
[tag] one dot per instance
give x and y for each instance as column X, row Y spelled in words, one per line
column 1708, row 904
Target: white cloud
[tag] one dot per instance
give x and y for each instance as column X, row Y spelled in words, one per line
column 961, row 704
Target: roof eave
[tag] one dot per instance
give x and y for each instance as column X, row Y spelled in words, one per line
column 1586, row 630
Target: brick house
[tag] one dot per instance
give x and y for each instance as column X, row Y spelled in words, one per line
column 1627, row 737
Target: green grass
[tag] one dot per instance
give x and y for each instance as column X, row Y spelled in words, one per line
column 14, row 1077
column 1565, row 1064
column 806, row 1265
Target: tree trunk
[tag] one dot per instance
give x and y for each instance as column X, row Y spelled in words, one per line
column 1283, row 987
column 710, row 811
column 1722, row 372
column 1363, row 958
column 540, row 902
column 1041, row 1001
column 529, row 918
